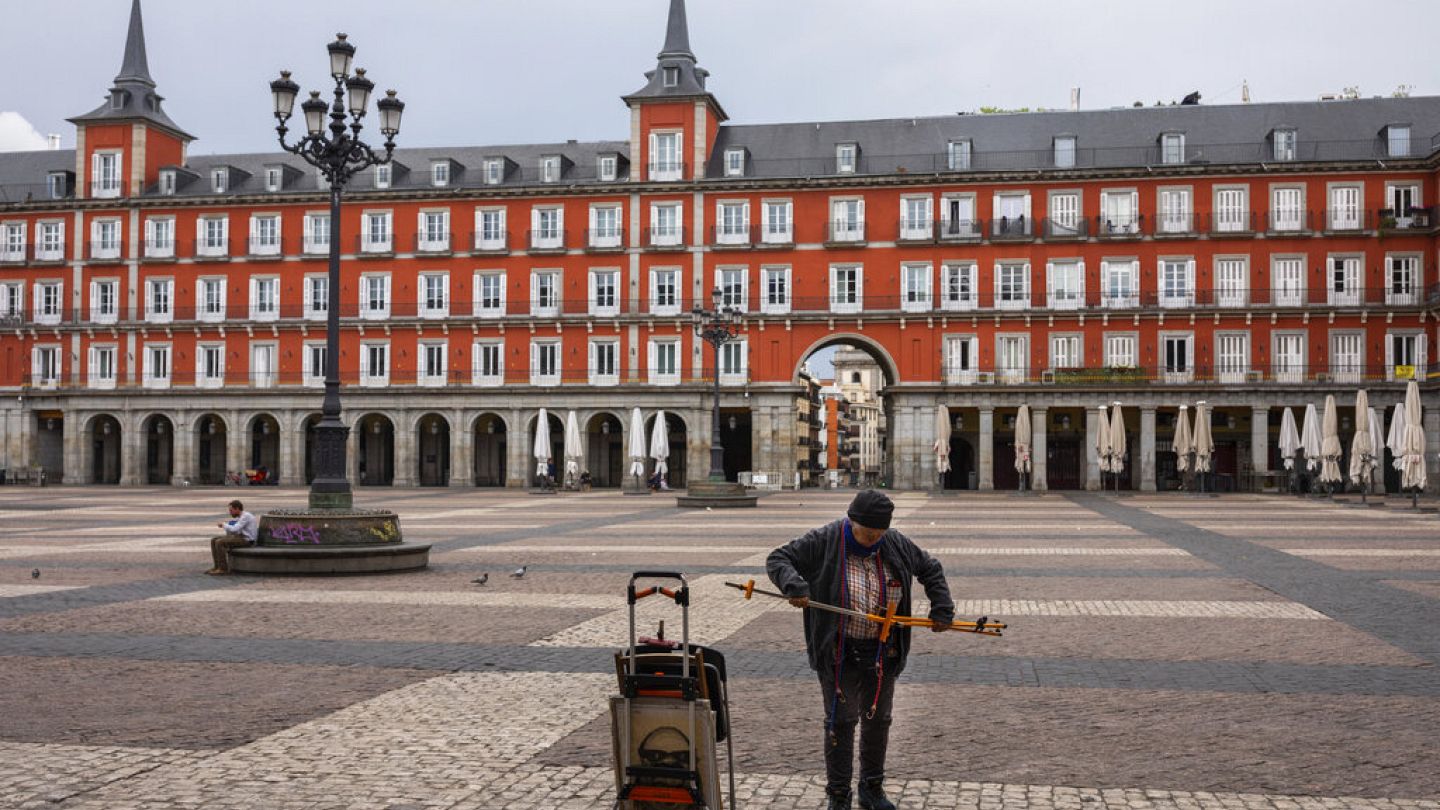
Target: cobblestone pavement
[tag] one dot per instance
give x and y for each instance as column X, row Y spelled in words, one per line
column 1163, row 652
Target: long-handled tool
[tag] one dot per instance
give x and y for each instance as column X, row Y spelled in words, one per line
column 981, row 626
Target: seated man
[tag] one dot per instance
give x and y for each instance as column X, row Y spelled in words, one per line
column 242, row 529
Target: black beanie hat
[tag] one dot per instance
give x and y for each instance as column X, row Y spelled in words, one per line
column 871, row 509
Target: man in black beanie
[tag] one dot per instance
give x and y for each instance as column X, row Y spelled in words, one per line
column 862, row 564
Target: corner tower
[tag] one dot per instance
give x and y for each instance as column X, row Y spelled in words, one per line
column 121, row 145
column 674, row 119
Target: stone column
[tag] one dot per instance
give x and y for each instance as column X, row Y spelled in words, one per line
column 987, row 449
column 1431, row 423
column 236, row 438
column 1038, row 466
column 352, row 452
column 1092, row 456
column 462, row 450
column 519, row 465
column 292, row 448
column 73, row 469
column 132, row 451
column 405, row 457
column 1260, row 439
column 1147, row 450
column 697, row 458
column 182, row 450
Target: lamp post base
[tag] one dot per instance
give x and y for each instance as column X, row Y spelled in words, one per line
column 717, row 495
column 330, row 541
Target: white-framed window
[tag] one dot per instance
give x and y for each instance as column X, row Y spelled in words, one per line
column 734, row 362
column 264, row 298
column 1064, row 151
column 1012, row 358
column 210, row 300
column 1012, row 214
column 494, row 171
column 50, row 247
column 314, row 364
column 1347, row 357
column 264, row 235
column 1064, row 209
column 1175, row 210
column 550, row 169
column 1285, row 142
column 1065, row 352
column 917, row 217
column 663, row 366
column 317, row 297
column 105, row 238
column 274, row 179
column 1402, row 199
column 375, row 296
column 317, row 233
column 262, row 365
column 1065, row 284
column 604, row 362
column 105, row 174
column 166, row 183
column 957, row 217
column 219, row 180
column 1172, row 148
column 487, row 363
column 1012, row 285
column 847, row 220
column 665, row 224
column 1178, row 357
column 547, row 225
column 375, row 363
column 959, row 286
column 545, row 293
column 605, row 223
column 1232, row 357
column 159, row 237
column 1176, row 282
column 1119, row 212
column 1232, row 281
column 1287, row 208
column 489, row 293
column 378, row 235
column 213, row 236
column 12, row 249
column 846, row 158
column 100, row 370
column 1121, row 351
column 434, row 369
column 1402, row 280
column 734, row 286
column 210, row 365
column 57, row 185
column 490, row 229
column 962, row 359
column 1345, row 208
column 440, row 173
column 159, row 300
column 545, row 362
column 664, row 291
column 734, row 162
column 1232, row 209
column 604, row 298
column 779, row 223
column 1287, row 280
column 1288, row 356
column 156, row 366
column 435, row 295
column 957, row 155
column 917, row 281
column 104, row 301
column 1343, row 281
column 607, row 168
column 847, row 288
column 732, row 223
column 1120, row 280
column 775, row 290
column 1405, row 356
column 45, row 366
column 1397, row 140
column 12, row 301
column 670, row 76
column 383, row 176
column 665, row 152
column 434, row 230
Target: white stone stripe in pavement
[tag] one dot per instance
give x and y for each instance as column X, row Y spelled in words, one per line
column 1124, row 608
column 1363, row 552
column 480, row 597
column 31, row 590
column 716, row 613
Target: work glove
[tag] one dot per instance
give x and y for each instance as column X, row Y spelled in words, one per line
column 940, row 623
column 799, row 600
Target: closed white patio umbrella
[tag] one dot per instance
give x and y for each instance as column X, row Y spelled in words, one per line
column 1118, row 446
column 941, row 448
column 637, row 446
column 1103, row 448
column 572, row 450
column 1377, row 441
column 1310, row 438
column 1395, row 439
column 1289, row 438
column 1182, row 444
column 1024, row 435
column 1362, row 451
column 660, row 447
column 1204, row 441
column 1413, row 473
column 542, row 445
column 1330, row 448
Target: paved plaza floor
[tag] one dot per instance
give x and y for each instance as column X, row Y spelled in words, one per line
column 1163, row 652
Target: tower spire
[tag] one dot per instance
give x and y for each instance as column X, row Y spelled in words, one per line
column 677, row 72
column 135, row 68
column 133, row 95
column 677, row 34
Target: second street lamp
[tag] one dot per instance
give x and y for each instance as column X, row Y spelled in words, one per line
column 716, row 326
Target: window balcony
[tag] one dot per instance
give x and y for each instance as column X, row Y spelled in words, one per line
column 670, row 237
column 1005, row 229
column 916, row 231
column 375, row 245
column 49, row 253
column 666, row 171
column 1058, row 231
column 773, row 236
column 1289, row 221
column 212, row 249
column 103, row 252
column 733, row 236
column 1415, row 218
column 1175, row 225
column 14, row 253
column 310, row 246
column 547, row 240
column 265, row 247
column 959, row 230
column 604, row 239
column 1124, row 227
column 1347, row 221
column 434, row 242
column 1223, row 224
column 492, row 241
column 846, row 232
column 159, row 249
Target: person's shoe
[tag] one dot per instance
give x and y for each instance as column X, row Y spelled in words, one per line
column 839, row 799
column 872, row 795
column 216, row 572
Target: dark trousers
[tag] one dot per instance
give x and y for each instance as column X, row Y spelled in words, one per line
column 220, row 549
column 857, row 686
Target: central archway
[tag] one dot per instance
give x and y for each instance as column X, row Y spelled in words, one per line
column 849, row 375
column 263, row 453
column 211, row 437
column 377, row 450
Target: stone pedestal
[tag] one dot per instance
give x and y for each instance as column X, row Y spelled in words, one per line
column 716, row 495
column 330, row 541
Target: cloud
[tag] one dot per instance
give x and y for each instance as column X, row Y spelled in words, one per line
column 18, row 135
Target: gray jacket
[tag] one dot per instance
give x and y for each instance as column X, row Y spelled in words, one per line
column 810, row 566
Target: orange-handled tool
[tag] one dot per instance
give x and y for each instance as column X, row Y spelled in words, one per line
column 981, row 626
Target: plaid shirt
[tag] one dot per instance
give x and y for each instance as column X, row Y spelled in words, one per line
column 862, row 585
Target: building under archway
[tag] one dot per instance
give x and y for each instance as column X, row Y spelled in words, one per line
column 851, row 375
column 489, row 451
column 433, row 439
column 159, row 449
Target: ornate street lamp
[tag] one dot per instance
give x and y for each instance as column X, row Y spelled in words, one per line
column 339, row 154
column 716, row 326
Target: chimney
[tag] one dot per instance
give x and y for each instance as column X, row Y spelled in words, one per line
column 1074, row 99
column 52, row 141
column 1245, row 91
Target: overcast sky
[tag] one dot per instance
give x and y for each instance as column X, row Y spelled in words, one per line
column 477, row 72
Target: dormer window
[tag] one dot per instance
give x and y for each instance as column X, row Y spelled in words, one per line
column 1065, row 151
column 1397, row 140
column 494, row 172
column 105, row 174
column 550, row 169
column 607, row 168
column 57, row 185
column 846, row 155
column 1284, row 141
column 734, row 162
column 671, row 76
column 167, row 182
column 219, row 180
column 273, row 179
column 117, row 100
column 440, row 173
column 382, row 177
column 1172, row 148
column 957, row 156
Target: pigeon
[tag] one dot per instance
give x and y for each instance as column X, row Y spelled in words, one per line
column 35, row 574
column 519, row 572
column 482, row 579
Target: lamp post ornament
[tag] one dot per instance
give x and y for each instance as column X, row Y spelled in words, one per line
column 339, row 154
column 717, row 327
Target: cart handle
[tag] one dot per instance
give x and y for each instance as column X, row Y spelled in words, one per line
column 681, row 595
